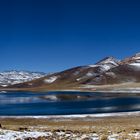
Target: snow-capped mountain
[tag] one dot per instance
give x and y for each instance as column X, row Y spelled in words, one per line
column 15, row 77
column 90, row 74
column 106, row 63
column 108, row 71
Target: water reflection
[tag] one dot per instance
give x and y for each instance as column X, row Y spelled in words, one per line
column 53, row 103
column 53, row 96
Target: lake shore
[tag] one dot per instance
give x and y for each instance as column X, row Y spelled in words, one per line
column 111, row 126
column 99, row 125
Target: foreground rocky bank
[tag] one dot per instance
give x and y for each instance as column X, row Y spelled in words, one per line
column 67, row 135
column 116, row 126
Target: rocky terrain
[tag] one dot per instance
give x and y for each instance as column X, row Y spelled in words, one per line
column 65, row 135
column 120, row 126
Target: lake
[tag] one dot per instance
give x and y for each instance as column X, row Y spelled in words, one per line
column 66, row 103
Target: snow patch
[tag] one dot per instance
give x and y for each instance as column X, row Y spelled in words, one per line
column 15, row 77
column 4, row 85
column 136, row 58
column 13, row 135
column 78, row 79
column 93, row 66
column 90, row 74
column 30, row 84
column 111, row 74
column 135, row 64
column 109, row 61
column 51, row 79
column 138, row 61
column 105, row 67
column 106, row 64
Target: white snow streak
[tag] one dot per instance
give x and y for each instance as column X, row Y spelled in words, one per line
column 135, row 64
column 51, row 79
column 13, row 135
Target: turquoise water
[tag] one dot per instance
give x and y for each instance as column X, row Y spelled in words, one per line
column 64, row 103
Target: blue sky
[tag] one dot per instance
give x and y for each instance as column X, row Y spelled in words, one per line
column 53, row 35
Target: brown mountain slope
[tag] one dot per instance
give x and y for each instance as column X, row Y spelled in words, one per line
column 105, row 72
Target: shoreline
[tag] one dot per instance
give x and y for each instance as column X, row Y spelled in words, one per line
column 77, row 116
column 90, row 91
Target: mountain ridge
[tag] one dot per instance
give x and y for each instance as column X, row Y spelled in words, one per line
column 11, row 77
column 108, row 71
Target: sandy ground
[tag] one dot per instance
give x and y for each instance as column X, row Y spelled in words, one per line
column 113, row 127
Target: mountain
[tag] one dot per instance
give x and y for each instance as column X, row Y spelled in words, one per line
column 15, row 77
column 90, row 74
column 108, row 71
column 127, row 71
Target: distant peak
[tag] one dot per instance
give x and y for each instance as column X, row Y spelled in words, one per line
column 133, row 59
column 108, row 59
column 137, row 54
column 21, row 71
column 133, row 56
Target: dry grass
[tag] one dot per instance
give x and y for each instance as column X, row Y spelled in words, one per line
column 97, row 125
column 103, row 127
column 104, row 137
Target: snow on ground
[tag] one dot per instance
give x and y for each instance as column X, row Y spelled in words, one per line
column 106, row 64
column 4, row 85
column 13, row 135
column 51, row 79
column 136, row 57
column 89, row 74
column 137, row 61
column 16, row 77
column 93, row 66
column 105, row 67
column 110, row 60
column 78, row 79
column 135, row 64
